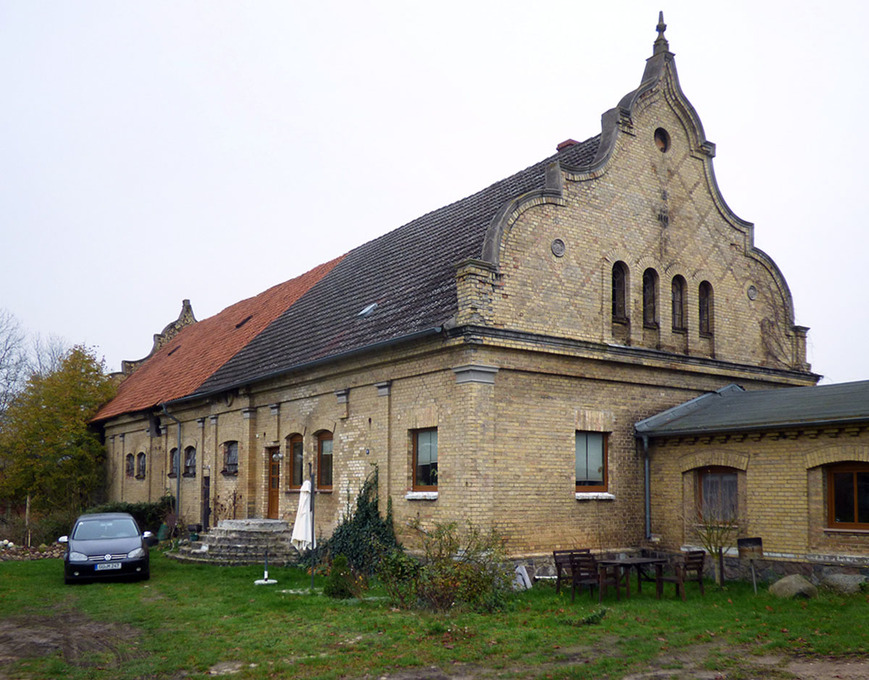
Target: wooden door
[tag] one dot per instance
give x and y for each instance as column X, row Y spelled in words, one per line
column 274, row 483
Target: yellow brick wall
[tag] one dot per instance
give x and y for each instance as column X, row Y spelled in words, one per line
column 782, row 489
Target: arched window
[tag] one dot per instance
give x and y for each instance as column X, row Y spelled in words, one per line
column 296, row 456
column 324, row 460
column 620, row 292
column 129, row 465
column 173, row 463
column 230, row 458
column 706, row 308
column 140, row 465
column 650, row 298
column 190, row 462
column 679, row 300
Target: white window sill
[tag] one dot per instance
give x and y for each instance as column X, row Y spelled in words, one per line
column 595, row 496
column 421, row 496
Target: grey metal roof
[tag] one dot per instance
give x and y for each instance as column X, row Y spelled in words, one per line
column 733, row 409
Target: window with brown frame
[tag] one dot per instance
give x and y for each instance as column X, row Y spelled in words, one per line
column 717, row 495
column 425, row 459
column 297, row 471
column 230, row 458
column 324, row 460
column 591, row 461
column 679, row 316
column 848, row 496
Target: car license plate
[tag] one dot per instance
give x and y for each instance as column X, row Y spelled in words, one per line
column 104, row 566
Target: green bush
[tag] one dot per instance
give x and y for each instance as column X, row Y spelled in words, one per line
column 149, row 516
column 458, row 570
column 364, row 536
column 45, row 529
column 342, row 583
column 399, row 573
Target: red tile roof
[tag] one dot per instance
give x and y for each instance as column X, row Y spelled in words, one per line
column 186, row 361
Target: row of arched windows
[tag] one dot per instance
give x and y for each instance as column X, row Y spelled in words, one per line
column 136, row 466
column 679, row 300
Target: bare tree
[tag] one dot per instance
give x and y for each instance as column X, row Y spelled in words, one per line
column 47, row 354
column 13, row 359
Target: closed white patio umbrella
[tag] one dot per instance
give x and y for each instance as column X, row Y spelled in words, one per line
column 303, row 529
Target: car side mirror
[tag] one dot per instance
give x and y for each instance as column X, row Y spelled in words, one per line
column 149, row 538
column 63, row 539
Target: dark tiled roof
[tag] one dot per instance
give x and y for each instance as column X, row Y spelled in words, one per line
column 732, row 409
column 409, row 273
column 180, row 366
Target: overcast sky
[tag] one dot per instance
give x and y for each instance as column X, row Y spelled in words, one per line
column 155, row 151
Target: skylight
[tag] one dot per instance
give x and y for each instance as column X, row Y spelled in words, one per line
column 368, row 311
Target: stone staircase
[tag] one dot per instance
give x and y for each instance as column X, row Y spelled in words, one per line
column 241, row 541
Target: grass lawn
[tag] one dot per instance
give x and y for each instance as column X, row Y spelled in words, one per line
column 195, row 621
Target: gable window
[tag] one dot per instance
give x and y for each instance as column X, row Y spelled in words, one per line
column 848, row 496
column 190, row 462
column 620, row 292
column 705, row 308
column 173, row 463
column 650, row 298
column 425, row 460
column 679, row 297
column 140, row 465
column 591, row 461
column 717, row 495
column 230, row 458
column 129, row 465
column 324, row 460
column 297, row 470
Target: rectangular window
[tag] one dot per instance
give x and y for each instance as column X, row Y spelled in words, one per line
column 718, row 495
column 591, row 461
column 230, row 458
column 848, row 496
column 425, row 460
column 324, row 460
column 189, row 462
column 297, row 472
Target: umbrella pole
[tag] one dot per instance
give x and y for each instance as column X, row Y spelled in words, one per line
column 313, row 546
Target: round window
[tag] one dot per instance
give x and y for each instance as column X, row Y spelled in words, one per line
column 662, row 140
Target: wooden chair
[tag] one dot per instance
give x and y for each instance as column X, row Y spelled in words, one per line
column 563, row 570
column 688, row 568
column 589, row 574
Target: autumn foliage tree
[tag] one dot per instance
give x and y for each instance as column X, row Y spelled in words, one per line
column 48, row 452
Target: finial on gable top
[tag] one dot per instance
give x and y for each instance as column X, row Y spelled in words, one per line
column 661, row 44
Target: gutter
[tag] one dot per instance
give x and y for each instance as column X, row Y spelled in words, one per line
column 647, row 490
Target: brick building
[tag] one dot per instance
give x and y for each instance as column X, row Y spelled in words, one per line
column 491, row 357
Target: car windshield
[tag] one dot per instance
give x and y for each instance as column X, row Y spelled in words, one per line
column 122, row 527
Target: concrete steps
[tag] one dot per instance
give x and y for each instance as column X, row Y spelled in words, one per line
column 241, row 541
